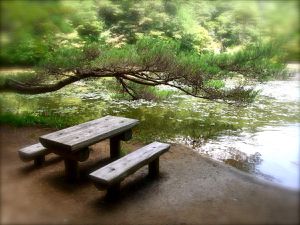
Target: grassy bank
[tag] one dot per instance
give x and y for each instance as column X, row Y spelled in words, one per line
column 28, row 119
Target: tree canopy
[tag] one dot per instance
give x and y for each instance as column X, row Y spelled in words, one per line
column 192, row 46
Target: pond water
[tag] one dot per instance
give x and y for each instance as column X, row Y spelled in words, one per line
column 261, row 138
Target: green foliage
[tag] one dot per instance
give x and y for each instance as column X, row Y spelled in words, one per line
column 124, row 151
column 261, row 60
column 90, row 31
column 25, row 52
column 162, row 94
column 130, row 18
column 217, row 84
column 141, row 92
column 116, row 57
column 241, row 95
column 204, row 26
column 28, row 119
column 192, row 45
column 27, row 37
column 155, row 50
column 232, row 24
column 24, row 77
column 63, row 59
column 150, row 93
column 164, row 60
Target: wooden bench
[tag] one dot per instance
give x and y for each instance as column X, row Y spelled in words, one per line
column 110, row 176
column 73, row 143
column 34, row 152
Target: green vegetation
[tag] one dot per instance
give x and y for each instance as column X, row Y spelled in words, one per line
column 177, row 116
column 21, row 76
column 152, row 62
column 29, row 119
column 215, row 84
column 201, row 25
column 124, row 151
column 88, row 59
column 141, row 92
column 193, row 46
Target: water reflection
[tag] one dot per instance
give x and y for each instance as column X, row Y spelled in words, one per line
column 271, row 153
column 260, row 138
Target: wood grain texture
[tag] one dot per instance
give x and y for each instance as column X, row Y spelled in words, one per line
column 86, row 134
column 116, row 171
column 32, row 152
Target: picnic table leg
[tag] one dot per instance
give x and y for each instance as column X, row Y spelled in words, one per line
column 154, row 168
column 113, row 192
column 115, row 147
column 115, row 143
column 71, row 169
column 38, row 161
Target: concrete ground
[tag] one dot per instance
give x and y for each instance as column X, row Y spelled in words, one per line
column 190, row 190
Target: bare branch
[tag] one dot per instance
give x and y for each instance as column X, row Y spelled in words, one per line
column 127, row 88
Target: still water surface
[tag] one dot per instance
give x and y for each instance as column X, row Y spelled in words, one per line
column 262, row 138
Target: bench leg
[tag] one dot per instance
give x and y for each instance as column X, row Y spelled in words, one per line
column 115, row 147
column 153, row 168
column 113, row 191
column 38, row 161
column 71, row 169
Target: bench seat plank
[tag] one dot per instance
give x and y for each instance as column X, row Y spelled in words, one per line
column 118, row 170
column 86, row 134
column 32, row 152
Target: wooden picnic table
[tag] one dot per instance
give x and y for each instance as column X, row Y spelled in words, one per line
column 73, row 143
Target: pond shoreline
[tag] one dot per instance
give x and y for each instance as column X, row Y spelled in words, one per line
column 184, row 120
column 191, row 190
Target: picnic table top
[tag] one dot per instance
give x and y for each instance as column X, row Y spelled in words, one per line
column 88, row 133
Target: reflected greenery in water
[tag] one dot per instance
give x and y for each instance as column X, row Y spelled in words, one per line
column 178, row 116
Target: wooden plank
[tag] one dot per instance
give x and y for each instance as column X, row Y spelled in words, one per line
column 106, row 129
column 116, row 171
column 32, row 152
column 86, row 134
column 70, row 130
